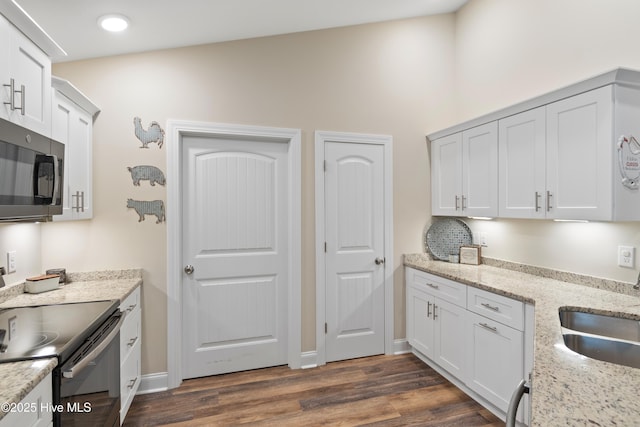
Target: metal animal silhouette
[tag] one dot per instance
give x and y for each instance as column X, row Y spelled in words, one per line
column 144, row 173
column 153, row 134
column 147, row 207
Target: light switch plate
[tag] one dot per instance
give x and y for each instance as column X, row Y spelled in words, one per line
column 11, row 262
column 626, row 256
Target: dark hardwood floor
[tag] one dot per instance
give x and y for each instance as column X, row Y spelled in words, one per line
column 373, row 391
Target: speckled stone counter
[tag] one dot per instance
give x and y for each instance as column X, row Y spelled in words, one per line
column 567, row 389
column 19, row 378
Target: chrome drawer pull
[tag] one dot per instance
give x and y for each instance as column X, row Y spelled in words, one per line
column 132, row 382
column 490, row 307
column 132, row 341
column 131, row 307
column 491, row 328
column 433, row 286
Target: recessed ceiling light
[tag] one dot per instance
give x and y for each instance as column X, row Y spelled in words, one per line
column 113, row 23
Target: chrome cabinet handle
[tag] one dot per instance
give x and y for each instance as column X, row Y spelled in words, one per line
column 549, row 196
column 463, row 204
column 132, row 382
column 432, row 285
column 435, row 315
column 428, row 309
column 490, row 307
column 132, row 341
column 456, row 203
column 79, row 206
column 491, row 328
column 189, row 269
column 12, row 99
column 537, row 203
column 379, row 261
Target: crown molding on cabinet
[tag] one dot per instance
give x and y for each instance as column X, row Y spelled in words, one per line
column 619, row 76
column 30, row 28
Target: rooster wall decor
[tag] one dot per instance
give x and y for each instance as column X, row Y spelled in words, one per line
column 153, row 134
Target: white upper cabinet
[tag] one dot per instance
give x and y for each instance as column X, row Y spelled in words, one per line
column 480, row 171
column 571, row 154
column 446, row 175
column 521, row 153
column 26, row 80
column 580, row 145
column 465, row 174
column 72, row 124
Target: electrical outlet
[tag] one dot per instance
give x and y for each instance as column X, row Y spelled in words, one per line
column 11, row 262
column 626, row 256
column 483, row 239
column 13, row 328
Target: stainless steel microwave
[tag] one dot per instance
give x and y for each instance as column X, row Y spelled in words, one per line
column 31, row 174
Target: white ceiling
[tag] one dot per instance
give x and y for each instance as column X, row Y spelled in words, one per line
column 160, row 24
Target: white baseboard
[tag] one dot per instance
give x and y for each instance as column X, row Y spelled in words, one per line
column 153, row 383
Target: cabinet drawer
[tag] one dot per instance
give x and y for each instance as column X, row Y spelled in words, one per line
column 448, row 290
column 129, row 379
column 132, row 302
column 496, row 307
column 130, row 333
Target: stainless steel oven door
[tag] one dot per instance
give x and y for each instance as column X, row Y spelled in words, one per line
column 89, row 382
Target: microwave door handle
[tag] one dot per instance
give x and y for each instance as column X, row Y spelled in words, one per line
column 56, row 187
column 78, row 367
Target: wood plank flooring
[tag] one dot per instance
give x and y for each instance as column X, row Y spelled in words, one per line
column 374, row 391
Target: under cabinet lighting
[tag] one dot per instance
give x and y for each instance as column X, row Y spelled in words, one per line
column 113, row 23
column 483, row 218
column 570, row 220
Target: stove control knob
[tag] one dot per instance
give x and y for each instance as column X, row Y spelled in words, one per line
column 189, row 269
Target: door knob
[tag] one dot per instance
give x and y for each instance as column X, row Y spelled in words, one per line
column 189, row 269
column 379, row 261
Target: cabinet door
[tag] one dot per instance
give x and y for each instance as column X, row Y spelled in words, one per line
column 450, row 325
column 420, row 332
column 74, row 127
column 522, row 160
column 31, row 67
column 5, row 74
column 579, row 156
column 480, row 171
column 495, row 359
column 446, row 175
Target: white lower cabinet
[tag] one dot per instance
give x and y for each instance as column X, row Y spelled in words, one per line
column 473, row 337
column 435, row 325
column 32, row 410
column 494, row 359
column 130, row 351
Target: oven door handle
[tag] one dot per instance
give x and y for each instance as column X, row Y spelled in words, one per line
column 84, row 362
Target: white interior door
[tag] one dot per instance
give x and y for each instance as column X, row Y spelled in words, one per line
column 355, row 250
column 235, row 223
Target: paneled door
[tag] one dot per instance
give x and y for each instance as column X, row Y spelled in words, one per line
column 236, row 251
column 355, row 258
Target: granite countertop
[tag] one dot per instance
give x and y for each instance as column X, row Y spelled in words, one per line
column 19, row 378
column 567, row 389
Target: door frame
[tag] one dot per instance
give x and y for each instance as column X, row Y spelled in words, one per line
column 322, row 137
column 176, row 129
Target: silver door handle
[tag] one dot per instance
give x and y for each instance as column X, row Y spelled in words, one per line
column 379, row 261
column 189, row 269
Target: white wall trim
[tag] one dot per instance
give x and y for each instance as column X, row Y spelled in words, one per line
column 153, row 383
column 175, row 130
column 321, row 137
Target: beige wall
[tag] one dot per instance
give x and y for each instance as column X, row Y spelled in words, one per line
column 389, row 78
column 508, row 51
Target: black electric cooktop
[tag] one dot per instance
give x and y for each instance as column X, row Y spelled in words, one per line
column 49, row 330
